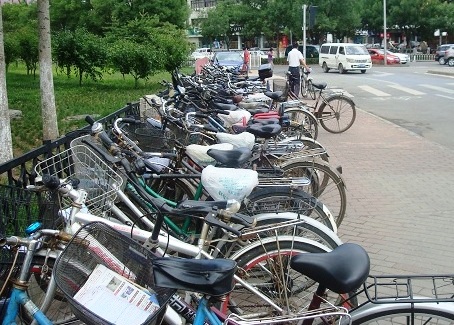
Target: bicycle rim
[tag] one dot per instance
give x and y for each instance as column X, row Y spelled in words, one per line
column 436, row 315
column 337, row 114
column 325, row 184
column 302, row 124
column 266, row 267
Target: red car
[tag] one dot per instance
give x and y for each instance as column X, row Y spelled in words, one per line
column 378, row 56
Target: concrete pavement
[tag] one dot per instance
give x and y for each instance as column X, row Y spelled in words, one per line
column 400, row 192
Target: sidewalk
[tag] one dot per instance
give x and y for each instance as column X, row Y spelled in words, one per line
column 400, row 190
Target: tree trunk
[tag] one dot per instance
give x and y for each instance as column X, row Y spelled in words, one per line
column 46, row 81
column 6, row 144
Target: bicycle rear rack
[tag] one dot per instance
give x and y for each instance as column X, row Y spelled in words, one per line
column 410, row 288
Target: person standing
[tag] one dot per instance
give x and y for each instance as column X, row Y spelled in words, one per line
column 295, row 58
column 246, row 59
column 270, row 56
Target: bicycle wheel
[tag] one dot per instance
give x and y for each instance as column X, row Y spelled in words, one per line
column 275, row 199
column 304, row 87
column 310, row 89
column 302, row 123
column 325, row 184
column 426, row 313
column 266, row 267
column 59, row 311
column 337, row 113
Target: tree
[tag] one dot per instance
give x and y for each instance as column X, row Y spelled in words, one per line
column 6, row 144
column 11, row 48
column 28, row 48
column 84, row 51
column 46, row 81
column 129, row 57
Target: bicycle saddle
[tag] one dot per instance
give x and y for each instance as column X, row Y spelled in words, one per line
column 342, row 270
column 275, row 95
column 320, row 85
column 212, row 277
column 231, row 158
column 264, row 131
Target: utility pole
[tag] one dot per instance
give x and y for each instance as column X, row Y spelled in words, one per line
column 385, row 39
column 304, row 31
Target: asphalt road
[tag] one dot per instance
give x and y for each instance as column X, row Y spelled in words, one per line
column 418, row 96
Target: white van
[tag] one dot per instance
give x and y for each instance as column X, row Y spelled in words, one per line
column 344, row 57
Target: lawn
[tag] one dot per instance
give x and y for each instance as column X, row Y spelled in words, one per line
column 73, row 102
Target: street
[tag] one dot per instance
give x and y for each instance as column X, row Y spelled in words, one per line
column 409, row 95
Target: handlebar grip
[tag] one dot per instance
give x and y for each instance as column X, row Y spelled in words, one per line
column 52, row 182
column 108, row 143
column 238, row 218
column 90, row 120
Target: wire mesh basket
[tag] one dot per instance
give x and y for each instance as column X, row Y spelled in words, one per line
column 94, row 247
column 20, row 207
column 281, row 85
column 150, row 138
column 94, row 175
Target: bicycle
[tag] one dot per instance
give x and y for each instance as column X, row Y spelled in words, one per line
column 212, row 279
column 336, row 112
column 206, row 246
column 21, row 303
column 307, row 90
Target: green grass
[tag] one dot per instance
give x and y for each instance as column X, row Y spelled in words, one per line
column 101, row 98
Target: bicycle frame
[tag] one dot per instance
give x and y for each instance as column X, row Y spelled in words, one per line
column 19, row 296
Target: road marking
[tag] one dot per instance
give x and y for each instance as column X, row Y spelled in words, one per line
column 374, row 91
column 407, row 90
column 443, row 90
column 448, row 97
column 340, row 91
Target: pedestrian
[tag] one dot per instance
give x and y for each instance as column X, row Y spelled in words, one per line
column 246, row 59
column 270, row 56
column 295, row 58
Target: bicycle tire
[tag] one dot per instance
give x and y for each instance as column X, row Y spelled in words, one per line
column 59, row 311
column 304, row 88
column 334, row 110
column 302, row 123
column 325, row 184
column 275, row 199
column 424, row 313
column 265, row 266
column 311, row 89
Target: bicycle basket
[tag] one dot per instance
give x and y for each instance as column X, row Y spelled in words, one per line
column 281, row 85
column 129, row 275
column 150, row 138
column 95, row 176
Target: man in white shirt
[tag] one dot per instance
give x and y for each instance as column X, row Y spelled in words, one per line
column 295, row 59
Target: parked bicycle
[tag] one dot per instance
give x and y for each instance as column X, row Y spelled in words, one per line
column 335, row 112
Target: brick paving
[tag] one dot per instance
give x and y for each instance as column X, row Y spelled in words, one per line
column 400, row 196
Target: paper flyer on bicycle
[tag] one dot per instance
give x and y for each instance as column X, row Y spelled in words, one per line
column 116, row 299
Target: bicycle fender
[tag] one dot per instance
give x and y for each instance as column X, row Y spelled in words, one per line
column 258, row 243
column 314, row 223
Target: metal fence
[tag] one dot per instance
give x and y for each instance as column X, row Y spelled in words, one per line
column 20, row 171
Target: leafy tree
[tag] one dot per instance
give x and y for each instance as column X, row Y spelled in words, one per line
column 129, row 57
column 69, row 14
column 11, row 48
column 167, row 45
column 84, row 51
column 28, row 48
column 16, row 16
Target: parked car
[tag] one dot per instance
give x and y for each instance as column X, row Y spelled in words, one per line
column 230, row 59
column 312, row 51
column 404, row 58
column 378, row 56
column 449, row 56
column 201, row 53
column 440, row 53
